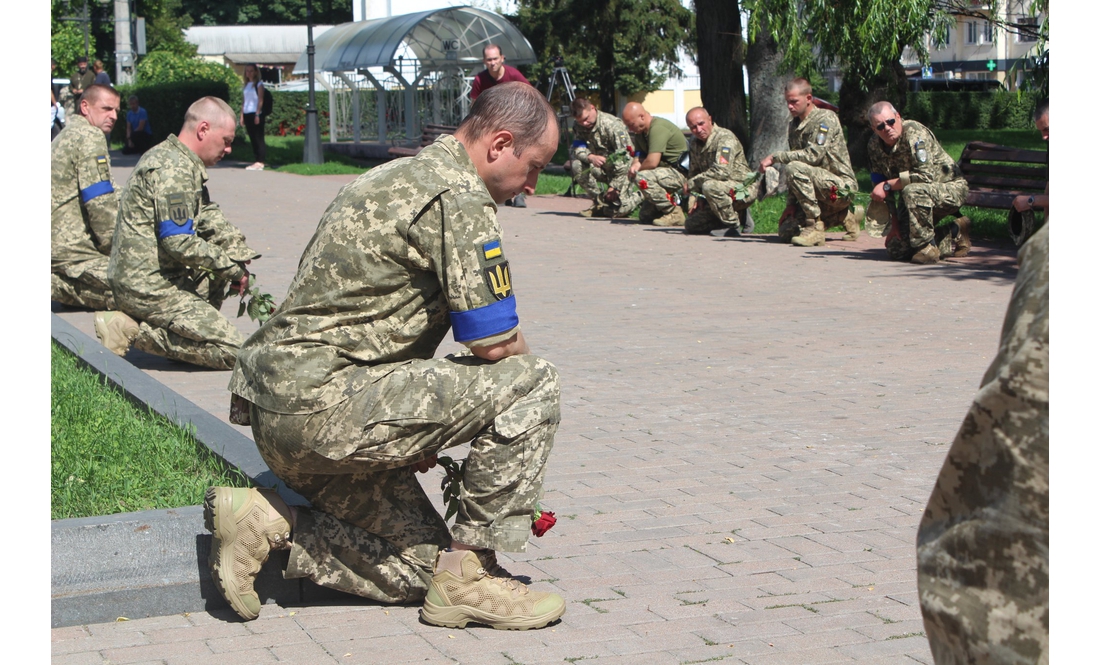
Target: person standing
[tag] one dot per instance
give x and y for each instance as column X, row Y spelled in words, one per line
column 101, row 77
column 252, row 116
column 84, row 204
column 495, row 73
column 81, row 79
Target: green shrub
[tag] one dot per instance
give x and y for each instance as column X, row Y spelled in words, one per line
column 164, row 67
column 166, row 103
column 289, row 107
column 971, row 110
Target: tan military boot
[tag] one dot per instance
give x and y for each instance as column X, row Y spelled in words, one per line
column 811, row 235
column 463, row 591
column 247, row 525
column 592, row 210
column 926, row 255
column 116, row 331
column 673, row 218
column 851, row 224
column 962, row 242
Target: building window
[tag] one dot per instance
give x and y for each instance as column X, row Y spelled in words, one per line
column 1028, row 27
column 979, row 32
column 971, row 32
column 945, row 42
column 987, row 32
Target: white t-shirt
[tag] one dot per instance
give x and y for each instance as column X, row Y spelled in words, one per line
column 251, row 98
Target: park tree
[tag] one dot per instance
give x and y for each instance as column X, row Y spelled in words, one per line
column 67, row 35
column 257, row 12
column 613, row 46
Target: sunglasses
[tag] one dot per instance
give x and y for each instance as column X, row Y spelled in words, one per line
column 882, row 125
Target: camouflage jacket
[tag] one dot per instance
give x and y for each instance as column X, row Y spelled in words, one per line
column 720, row 158
column 819, row 141
column 608, row 135
column 405, row 252
column 916, row 157
column 169, row 232
column 83, row 197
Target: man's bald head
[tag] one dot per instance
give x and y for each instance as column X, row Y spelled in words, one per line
column 211, row 110
column 636, row 118
column 208, row 129
column 699, row 123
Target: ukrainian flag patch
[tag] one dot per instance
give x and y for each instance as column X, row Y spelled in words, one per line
column 491, row 250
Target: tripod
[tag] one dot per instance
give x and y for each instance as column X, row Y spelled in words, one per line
column 560, row 72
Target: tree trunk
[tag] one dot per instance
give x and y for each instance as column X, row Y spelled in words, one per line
column 721, row 56
column 855, row 99
column 769, row 116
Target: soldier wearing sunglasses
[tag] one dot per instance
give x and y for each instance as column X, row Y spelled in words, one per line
column 916, row 183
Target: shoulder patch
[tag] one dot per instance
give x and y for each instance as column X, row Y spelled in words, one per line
column 177, row 208
column 491, row 250
column 822, row 133
column 724, row 155
column 499, row 279
column 922, row 154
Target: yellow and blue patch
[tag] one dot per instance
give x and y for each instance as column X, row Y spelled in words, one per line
column 491, row 250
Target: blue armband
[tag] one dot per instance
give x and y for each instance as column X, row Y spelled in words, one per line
column 876, row 178
column 170, row 228
column 485, row 321
column 577, row 143
column 98, row 189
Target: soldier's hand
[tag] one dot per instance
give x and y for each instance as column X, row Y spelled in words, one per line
column 597, row 160
column 878, row 193
column 423, row 465
column 1020, row 203
column 765, row 163
column 635, row 166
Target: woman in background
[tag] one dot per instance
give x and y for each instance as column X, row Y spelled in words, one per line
column 251, row 116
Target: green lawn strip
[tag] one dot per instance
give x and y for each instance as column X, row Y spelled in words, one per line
column 109, row 456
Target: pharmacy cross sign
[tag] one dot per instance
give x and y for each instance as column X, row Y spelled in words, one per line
column 991, row 65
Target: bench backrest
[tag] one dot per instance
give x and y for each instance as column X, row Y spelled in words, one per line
column 998, row 173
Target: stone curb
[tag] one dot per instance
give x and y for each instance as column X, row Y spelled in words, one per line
column 153, row 563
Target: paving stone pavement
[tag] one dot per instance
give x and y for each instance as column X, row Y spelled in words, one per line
column 749, row 434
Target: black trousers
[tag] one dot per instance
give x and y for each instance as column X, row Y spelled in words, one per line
column 256, row 135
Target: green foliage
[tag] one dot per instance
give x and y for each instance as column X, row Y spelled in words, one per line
column 167, row 67
column 108, row 456
column 166, row 103
column 624, row 46
column 280, row 12
column 165, row 21
column 66, row 45
column 971, row 110
column 289, row 110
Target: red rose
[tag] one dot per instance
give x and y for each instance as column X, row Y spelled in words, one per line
column 643, row 184
column 630, row 150
column 670, row 199
column 832, row 193
column 733, row 195
column 543, row 523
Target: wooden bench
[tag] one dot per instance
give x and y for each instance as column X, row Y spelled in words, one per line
column 428, row 137
column 997, row 174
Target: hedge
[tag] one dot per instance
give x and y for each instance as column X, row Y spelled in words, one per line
column 971, row 110
column 290, row 108
column 166, row 103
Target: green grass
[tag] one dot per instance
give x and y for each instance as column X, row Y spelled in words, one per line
column 108, row 456
column 284, row 154
column 985, row 223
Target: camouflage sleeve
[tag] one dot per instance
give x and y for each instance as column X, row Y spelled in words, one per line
column 880, row 168
column 97, row 194
column 475, row 275
column 925, row 148
column 823, row 140
column 175, row 211
column 579, row 149
column 728, row 159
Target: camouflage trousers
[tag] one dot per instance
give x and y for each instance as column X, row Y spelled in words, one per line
column 612, row 174
column 659, row 183
column 187, row 326
column 721, row 210
column 83, row 285
column 919, row 207
column 372, row 530
column 811, row 187
column 983, row 543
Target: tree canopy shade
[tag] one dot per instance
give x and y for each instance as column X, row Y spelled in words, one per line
column 259, row 12
column 625, row 46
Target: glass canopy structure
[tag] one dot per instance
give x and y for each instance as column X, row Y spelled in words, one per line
column 398, row 73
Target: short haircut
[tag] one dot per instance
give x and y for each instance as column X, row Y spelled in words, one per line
column 132, row 98
column 98, row 64
column 515, row 107
column 878, row 108
column 491, row 46
column 694, row 109
column 799, row 85
column 1042, row 107
column 579, row 106
column 212, row 110
column 95, row 92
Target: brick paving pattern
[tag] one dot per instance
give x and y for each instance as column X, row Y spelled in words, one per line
column 749, row 433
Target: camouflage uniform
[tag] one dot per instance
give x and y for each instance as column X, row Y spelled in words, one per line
column 933, row 187
column 346, row 395
column 665, row 179
column 173, row 258
column 607, row 136
column 817, row 161
column 717, row 167
column 983, row 543
column 84, row 204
